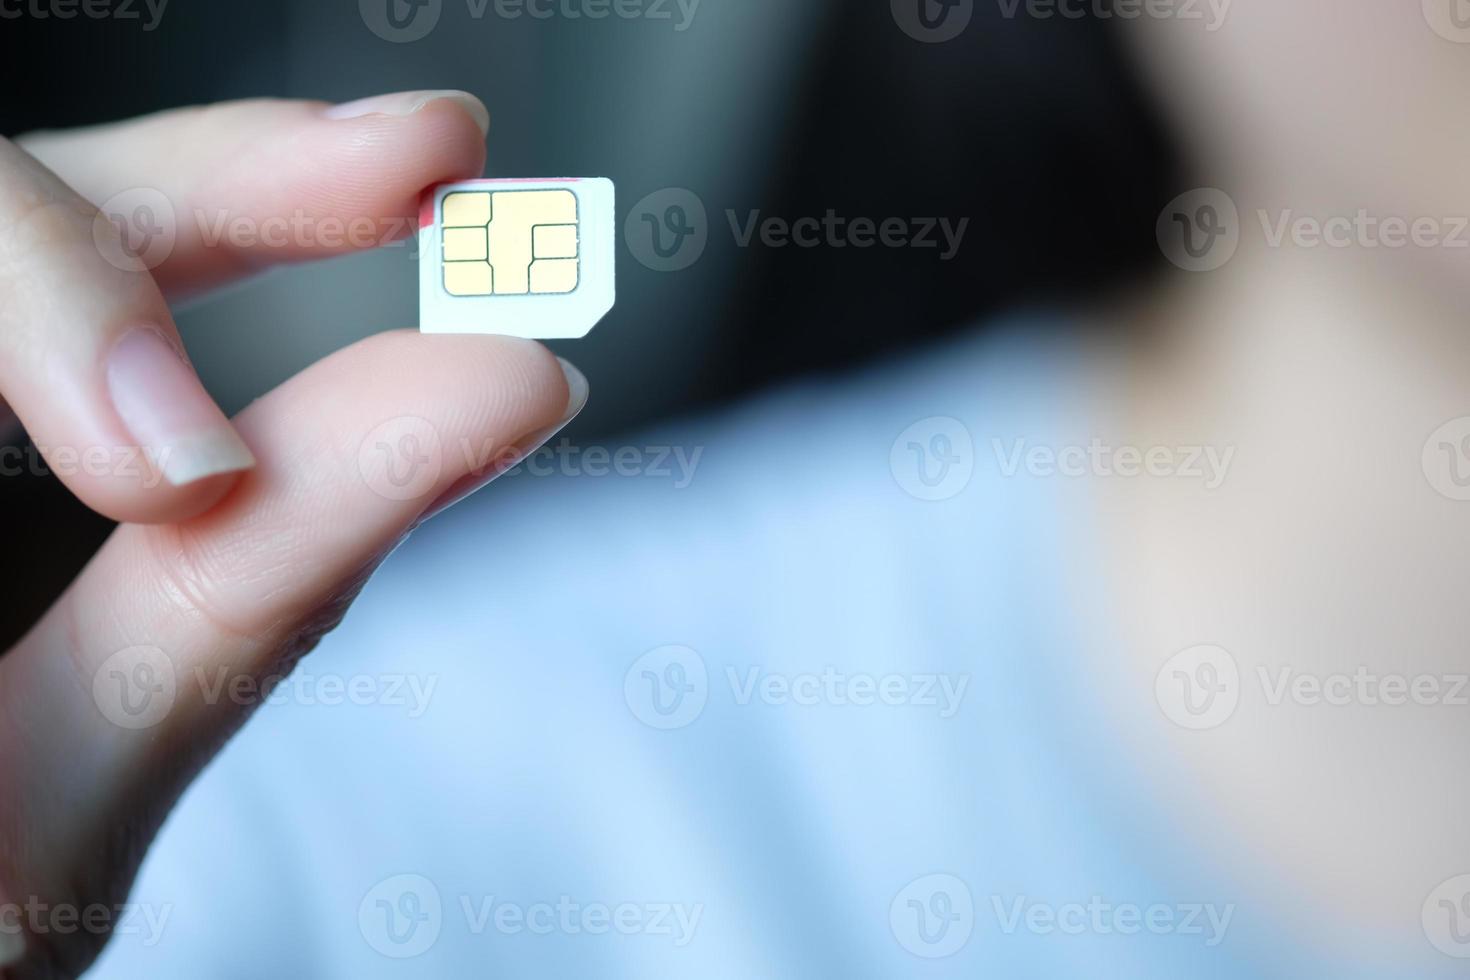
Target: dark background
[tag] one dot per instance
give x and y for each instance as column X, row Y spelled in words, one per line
column 1032, row 129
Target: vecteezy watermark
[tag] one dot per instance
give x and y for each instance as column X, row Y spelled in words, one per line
column 933, row 916
column 410, row 692
column 1200, row 230
column 933, row 21
column 404, row 458
column 136, row 229
column 679, row 13
column 1446, row 459
column 1099, row 917
column 933, row 459
column 677, row 464
column 1362, row 686
column 1201, row 687
column 145, row 465
column 675, row 921
column 669, row 687
column 1450, row 19
column 139, row 228
column 137, row 688
column 1207, row 464
column 830, row 686
column 1211, row 13
column 405, row 21
column 298, row 229
column 836, row 231
column 148, row 12
column 669, row 230
column 403, row 916
column 937, row 21
column 1363, row 229
column 35, row 917
column 1446, row 917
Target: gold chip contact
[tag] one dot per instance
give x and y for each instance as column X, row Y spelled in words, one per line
column 507, row 243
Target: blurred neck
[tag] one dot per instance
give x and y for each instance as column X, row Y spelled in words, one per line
column 1291, row 329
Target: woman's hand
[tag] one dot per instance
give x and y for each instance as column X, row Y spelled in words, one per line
column 244, row 543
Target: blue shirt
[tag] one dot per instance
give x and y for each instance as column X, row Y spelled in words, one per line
column 796, row 691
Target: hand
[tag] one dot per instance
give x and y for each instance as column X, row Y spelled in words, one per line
column 242, row 544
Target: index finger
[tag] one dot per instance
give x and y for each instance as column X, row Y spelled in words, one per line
column 92, row 363
column 236, row 187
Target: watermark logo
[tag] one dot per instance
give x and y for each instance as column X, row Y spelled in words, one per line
column 145, row 465
column 835, row 688
column 1362, row 688
column 680, row 13
column 402, row 458
column 404, row 916
column 412, row 693
column 933, row 916
column 835, row 231
column 668, row 230
column 667, row 687
column 1211, row 13
column 219, row 227
column 135, row 688
column 1363, row 230
column 933, row 459
column 1450, row 19
column 676, row 464
column 144, row 923
column 675, row 921
column 1199, row 688
column 933, row 21
column 1207, row 464
column 670, row 687
column 400, row 21
column 138, row 229
column 1199, row 230
column 1446, row 459
column 401, row 917
column 404, row 21
column 1446, row 917
column 1099, row 917
column 135, row 230
column 149, row 12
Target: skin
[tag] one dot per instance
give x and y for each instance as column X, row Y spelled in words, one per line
column 1326, row 548
column 242, row 571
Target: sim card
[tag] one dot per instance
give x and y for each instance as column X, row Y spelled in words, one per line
column 523, row 258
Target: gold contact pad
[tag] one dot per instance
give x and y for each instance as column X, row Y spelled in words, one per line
column 506, row 243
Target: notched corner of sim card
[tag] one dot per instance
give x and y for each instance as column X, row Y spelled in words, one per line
column 525, row 258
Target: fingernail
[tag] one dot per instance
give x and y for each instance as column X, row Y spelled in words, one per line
column 168, row 412
column 407, row 103
column 577, row 391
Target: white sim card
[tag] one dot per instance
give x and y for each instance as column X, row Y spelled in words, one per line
column 523, row 258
